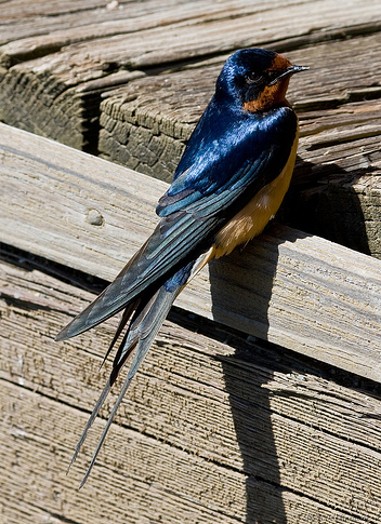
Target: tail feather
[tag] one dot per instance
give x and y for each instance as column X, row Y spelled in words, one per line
column 122, row 324
column 90, row 422
column 141, row 332
column 113, row 376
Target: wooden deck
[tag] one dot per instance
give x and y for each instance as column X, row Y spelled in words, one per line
column 260, row 401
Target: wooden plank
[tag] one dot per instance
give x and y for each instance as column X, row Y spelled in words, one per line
column 206, row 28
column 215, row 428
column 296, row 290
column 29, row 31
column 55, row 79
column 168, row 106
column 337, row 190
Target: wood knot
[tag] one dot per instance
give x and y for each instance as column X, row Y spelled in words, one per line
column 95, row 218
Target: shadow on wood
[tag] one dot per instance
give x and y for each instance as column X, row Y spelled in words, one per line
column 232, row 274
column 323, row 201
column 255, row 438
column 250, row 406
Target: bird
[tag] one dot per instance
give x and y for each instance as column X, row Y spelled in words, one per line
column 229, row 183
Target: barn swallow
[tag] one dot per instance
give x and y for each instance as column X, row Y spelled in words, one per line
column 230, row 181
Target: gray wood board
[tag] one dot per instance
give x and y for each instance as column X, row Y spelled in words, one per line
column 214, row 429
column 296, row 290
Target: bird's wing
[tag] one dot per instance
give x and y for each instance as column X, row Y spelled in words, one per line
column 224, row 176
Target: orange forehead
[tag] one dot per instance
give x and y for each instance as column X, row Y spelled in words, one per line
column 280, row 62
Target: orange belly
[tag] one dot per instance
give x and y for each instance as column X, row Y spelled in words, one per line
column 252, row 219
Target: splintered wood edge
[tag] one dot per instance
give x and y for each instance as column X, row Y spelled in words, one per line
column 295, row 290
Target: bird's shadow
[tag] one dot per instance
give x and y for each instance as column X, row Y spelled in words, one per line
column 322, row 201
column 249, row 371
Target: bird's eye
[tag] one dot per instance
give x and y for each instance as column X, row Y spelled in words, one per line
column 253, row 78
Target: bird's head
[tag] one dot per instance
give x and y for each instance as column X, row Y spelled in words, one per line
column 257, row 79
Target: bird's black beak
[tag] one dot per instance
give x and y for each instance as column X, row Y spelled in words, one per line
column 287, row 72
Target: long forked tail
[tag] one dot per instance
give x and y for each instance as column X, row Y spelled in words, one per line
column 144, row 326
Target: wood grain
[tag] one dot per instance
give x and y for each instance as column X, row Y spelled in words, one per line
column 166, row 107
column 215, row 427
column 219, row 426
column 293, row 289
column 55, row 68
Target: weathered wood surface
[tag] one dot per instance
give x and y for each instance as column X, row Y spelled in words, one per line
column 254, row 434
column 55, row 68
column 215, row 428
column 145, row 125
column 296, row 290
column 167, row 106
